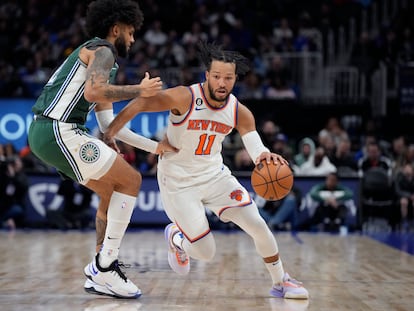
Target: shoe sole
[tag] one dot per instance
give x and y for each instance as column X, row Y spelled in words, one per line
column 92, row 290
column 278, row 294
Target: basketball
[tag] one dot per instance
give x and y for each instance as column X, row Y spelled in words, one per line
column 272, row 181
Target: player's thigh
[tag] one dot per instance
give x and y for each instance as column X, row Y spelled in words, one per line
column 225, row 193
column 70, row 150
column 183, row 206
column 121, row 177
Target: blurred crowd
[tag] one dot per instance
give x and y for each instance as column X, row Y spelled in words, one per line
column 36, row 35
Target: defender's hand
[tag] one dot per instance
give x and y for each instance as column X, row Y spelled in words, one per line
column 150, row 86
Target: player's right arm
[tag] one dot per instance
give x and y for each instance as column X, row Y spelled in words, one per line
column 246, row 126
column 177, row 100
column 97, row 89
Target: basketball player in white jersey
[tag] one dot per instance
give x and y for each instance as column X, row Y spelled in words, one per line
column 195, row 177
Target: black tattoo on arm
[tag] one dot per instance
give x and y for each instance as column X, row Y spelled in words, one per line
column 98, row 75
column 98, row 72
column 120, row 92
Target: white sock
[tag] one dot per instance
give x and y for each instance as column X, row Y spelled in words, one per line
column 119, row 215
column 276, row 271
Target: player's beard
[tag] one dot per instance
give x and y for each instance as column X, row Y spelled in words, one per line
column 215, row 98
column 121, row 47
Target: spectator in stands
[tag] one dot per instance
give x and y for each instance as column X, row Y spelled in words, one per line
column 191, row 58
column 282, row 147
column 282, row 214
column 14, row 185
column 306, row 148
column 404, row 189
column 172, row 54
column 251, row 87
column 195, row 35
column 365, row 141
column 155, row 35
column 374, row 158
column 334, row 129
column 408, row 157
column 10, row 150
column 268, row 131
column 317, row 165
column 344, row 159
column 398, row 151
column 328, row 143
column 333, row 202
column 279, row 80
column 282, row 32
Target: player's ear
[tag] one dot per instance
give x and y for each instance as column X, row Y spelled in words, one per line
column 115, row 29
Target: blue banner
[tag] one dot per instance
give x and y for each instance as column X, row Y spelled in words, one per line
column 42, row 196
column 16, row 116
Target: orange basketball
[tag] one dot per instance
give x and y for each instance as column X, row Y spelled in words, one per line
column 272, row 181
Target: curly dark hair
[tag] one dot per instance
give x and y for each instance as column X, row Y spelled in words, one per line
column 103, row 14
column 211, row 51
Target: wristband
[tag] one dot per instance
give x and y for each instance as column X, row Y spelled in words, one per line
column 254, row 145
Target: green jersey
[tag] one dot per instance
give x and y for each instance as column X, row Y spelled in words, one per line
column 63, row 98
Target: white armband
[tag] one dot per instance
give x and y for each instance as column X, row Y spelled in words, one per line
column 105, row 117
column 253, row 144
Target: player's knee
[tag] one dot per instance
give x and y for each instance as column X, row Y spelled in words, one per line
column 130, row 183
column 257, row 227
column 137, row 180
column 204, row 249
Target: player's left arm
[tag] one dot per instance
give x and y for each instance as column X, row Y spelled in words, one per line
column 176, row 99
column 104, row 117
column 246, row 126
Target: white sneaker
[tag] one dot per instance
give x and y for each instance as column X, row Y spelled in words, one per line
column 290, row 288
column 177, row 258
column 112, row 278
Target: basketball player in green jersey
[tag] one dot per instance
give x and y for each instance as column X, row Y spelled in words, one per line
column 195, row 178
column 58, row 135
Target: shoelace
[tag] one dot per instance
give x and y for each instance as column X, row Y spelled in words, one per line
column 118, row 270
column 124, row 265
column 291, row 280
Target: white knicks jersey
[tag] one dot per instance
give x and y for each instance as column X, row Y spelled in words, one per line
column 198, row 135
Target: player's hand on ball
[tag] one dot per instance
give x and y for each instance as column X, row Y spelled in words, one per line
column 271, row 156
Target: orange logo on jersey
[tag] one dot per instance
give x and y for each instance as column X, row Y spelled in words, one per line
column 237, row 195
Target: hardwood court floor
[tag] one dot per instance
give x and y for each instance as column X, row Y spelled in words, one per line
column 42, row 270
